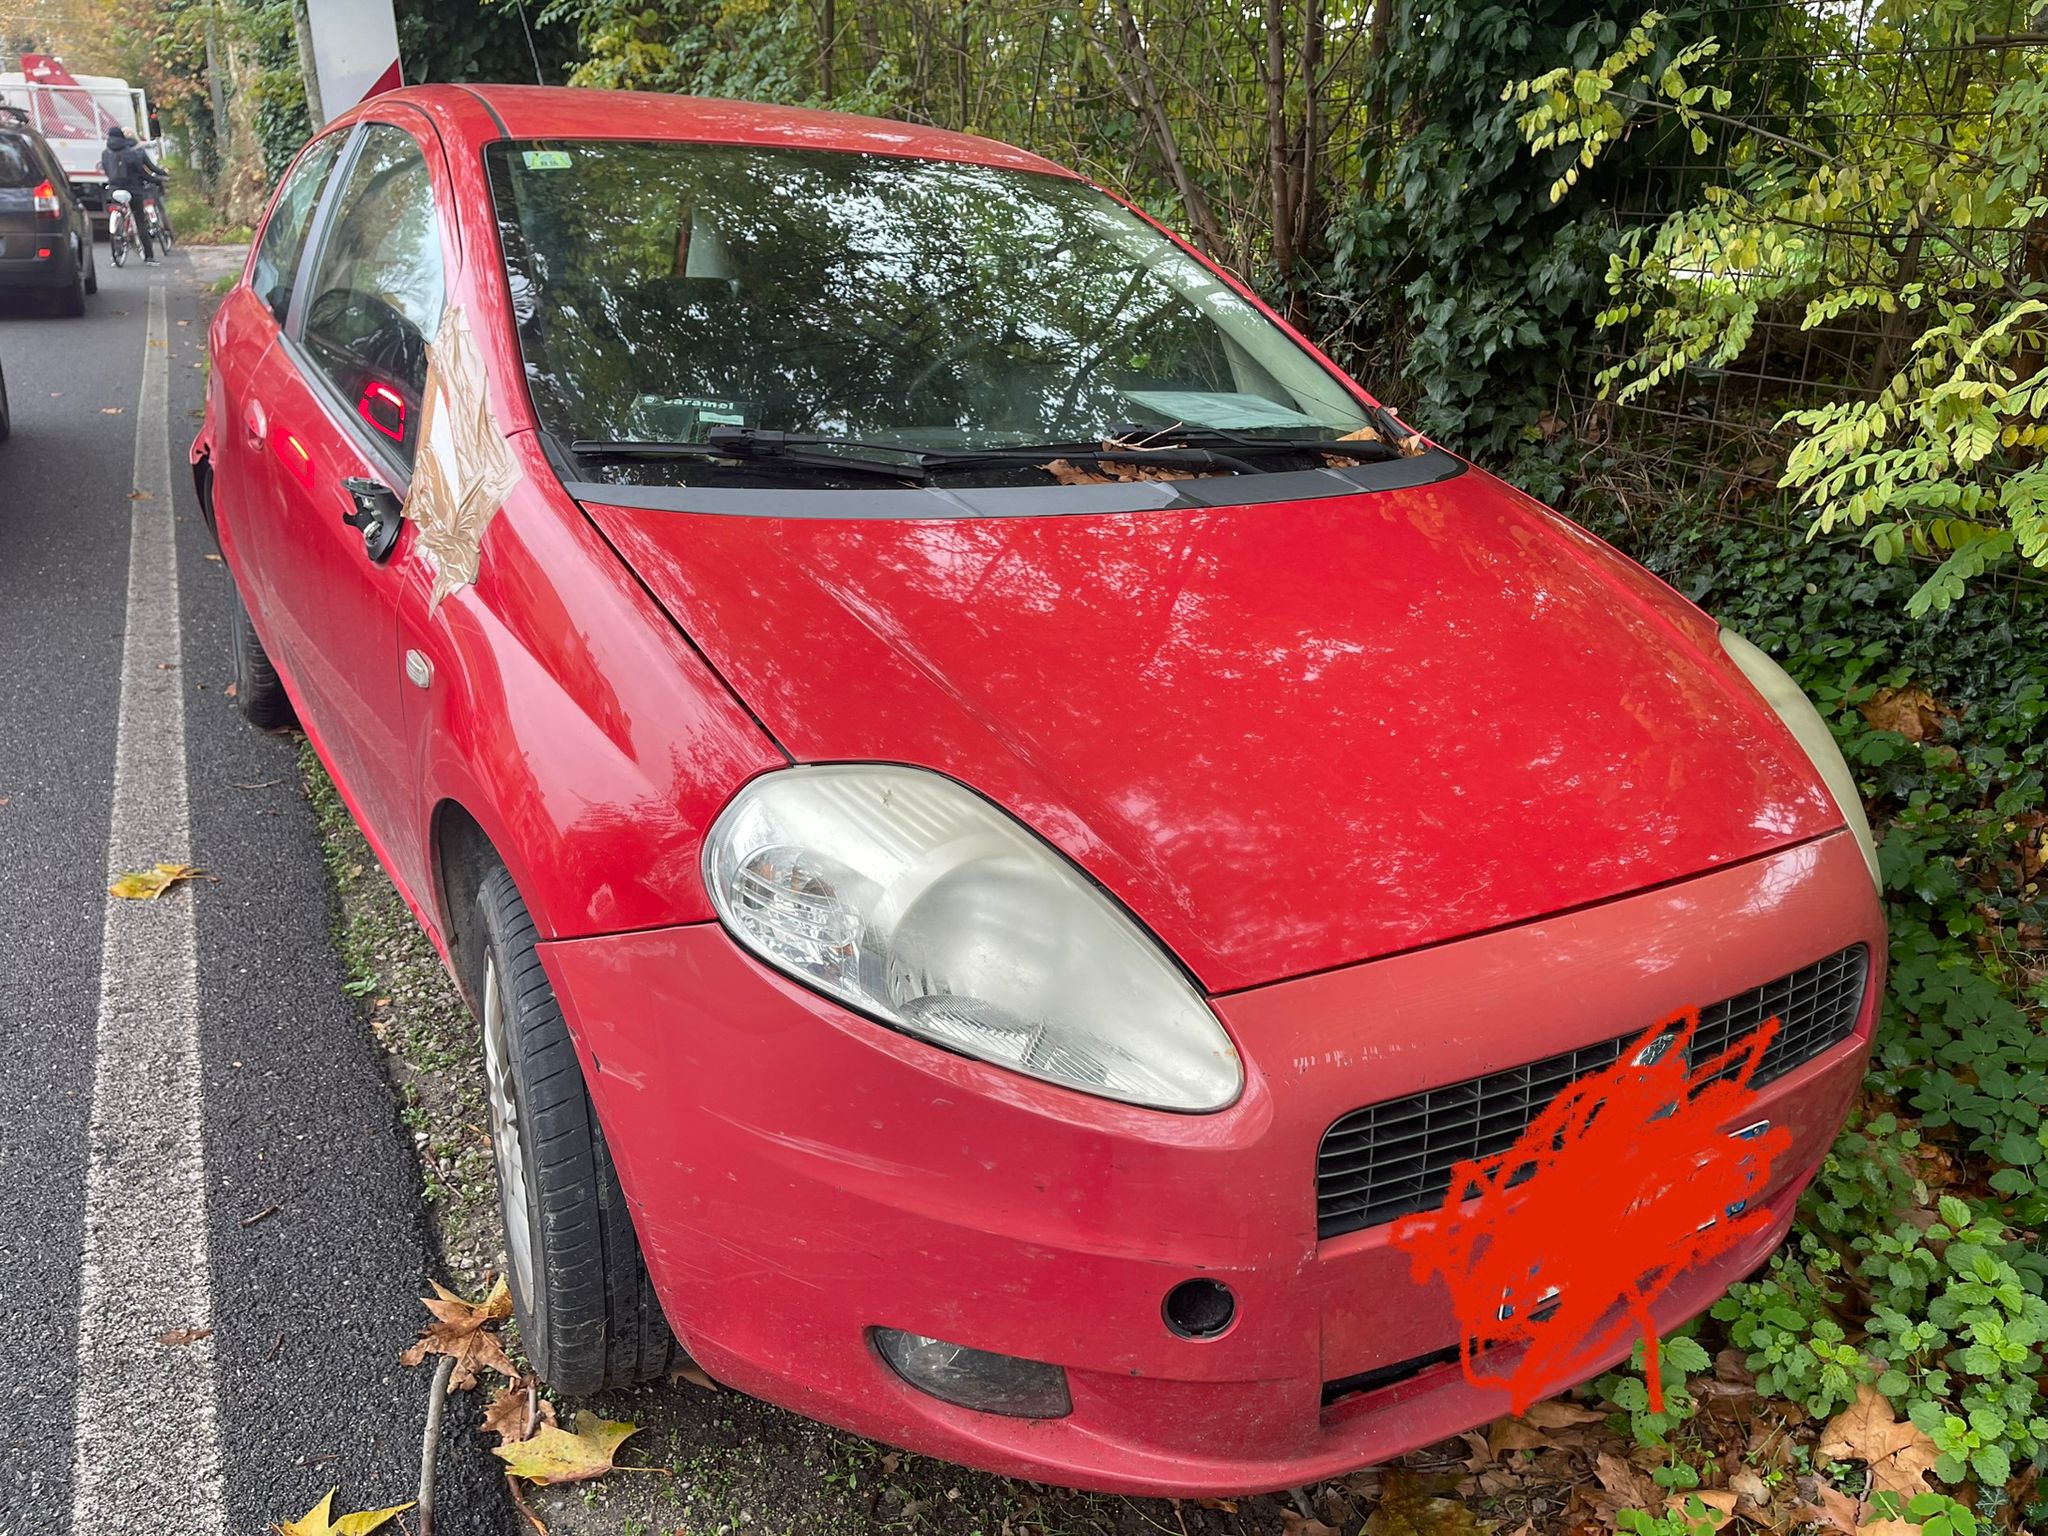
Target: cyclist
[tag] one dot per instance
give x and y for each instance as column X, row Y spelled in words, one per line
column 129, row 169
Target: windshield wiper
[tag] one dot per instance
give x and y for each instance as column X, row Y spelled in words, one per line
column 1367, row 449
column 748, row 445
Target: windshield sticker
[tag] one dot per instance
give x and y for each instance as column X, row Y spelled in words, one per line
column 465, row 470
column 546, row 159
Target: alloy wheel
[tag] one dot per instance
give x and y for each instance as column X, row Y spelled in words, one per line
column 507, row 1142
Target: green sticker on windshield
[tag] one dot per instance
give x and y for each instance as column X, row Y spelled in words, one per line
column 546, row 159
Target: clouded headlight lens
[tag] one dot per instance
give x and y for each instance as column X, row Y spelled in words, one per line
column 914, row 900
column 1805, row 723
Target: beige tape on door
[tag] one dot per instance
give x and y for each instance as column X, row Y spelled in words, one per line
column 464, row 470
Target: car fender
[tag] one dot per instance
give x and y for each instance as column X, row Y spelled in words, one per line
column 569, row 718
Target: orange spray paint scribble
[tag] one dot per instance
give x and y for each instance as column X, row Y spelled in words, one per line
column 1627, row 1179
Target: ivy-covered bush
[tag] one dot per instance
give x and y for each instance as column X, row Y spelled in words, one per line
column 1916, row 1264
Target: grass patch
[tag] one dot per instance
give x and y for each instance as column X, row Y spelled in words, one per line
column 197, row 222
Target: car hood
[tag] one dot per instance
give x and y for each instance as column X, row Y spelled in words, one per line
column 1288, row 735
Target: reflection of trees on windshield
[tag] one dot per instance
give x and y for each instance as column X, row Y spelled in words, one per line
column 665, row 287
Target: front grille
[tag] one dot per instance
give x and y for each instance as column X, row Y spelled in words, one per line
column 1393, row 1159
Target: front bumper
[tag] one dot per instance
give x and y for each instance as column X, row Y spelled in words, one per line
column 799, row 1174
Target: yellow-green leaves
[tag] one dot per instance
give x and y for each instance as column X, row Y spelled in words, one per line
column 555, row 1455
column 320, row 1520
column 148, row 884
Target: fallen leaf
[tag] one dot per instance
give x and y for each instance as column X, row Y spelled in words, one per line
column 687, row 1371
column 1623, row 1485
column 509, row 1412
column 1912, row 712
column 228, row 692
column 214, row 558
column 1294, row 1523
column 148, row 884
column 1751, row 1487
column 111, row 410
column 556, row 1455
column 320, row 1521
column 1898, row 1455
column 142, row 496
column 1556, row 1413
column 463, row 1330
column 1222, row 1506
column 1825, row 1504
column 178, row 1338
column 1413, row 1504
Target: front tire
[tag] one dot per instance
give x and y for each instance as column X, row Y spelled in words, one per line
column 588, row 1317
column 259, row 694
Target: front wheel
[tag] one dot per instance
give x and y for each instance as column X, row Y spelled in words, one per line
column 588, row 1317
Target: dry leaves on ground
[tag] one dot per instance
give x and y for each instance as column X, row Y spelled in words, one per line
column 1898, row 1455
column 584, row 1450
column 148, row 884
column 517, row 1411
column 1912, row 712
column 320, row 1521
column 464, row 1330
column 1418, row 1504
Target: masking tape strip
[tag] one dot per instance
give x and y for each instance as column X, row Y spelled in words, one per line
column 464, row 470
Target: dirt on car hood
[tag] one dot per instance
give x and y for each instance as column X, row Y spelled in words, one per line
column 1288, row 735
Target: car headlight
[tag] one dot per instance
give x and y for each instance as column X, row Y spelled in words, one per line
column 910, row 898
column 1812, row 733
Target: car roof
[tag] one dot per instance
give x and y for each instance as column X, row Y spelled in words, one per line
column 565, row 112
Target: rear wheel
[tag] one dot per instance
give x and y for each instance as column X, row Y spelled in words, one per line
column 258, row 693
column 71, row 298
column 6, row 415
column 117, row 238
column 588, row 1317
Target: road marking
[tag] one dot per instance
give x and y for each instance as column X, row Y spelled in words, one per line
column 147, row 1449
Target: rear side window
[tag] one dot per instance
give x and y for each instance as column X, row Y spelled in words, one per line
column 284, row 237
column 376, row 291
column 19, row 164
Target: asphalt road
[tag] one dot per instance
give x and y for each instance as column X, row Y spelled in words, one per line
column 300, row 1238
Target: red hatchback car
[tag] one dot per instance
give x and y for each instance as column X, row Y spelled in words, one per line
column 999, row 831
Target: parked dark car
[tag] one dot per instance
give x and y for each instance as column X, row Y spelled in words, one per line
column 45, row 231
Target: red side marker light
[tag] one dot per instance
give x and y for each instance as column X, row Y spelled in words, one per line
column 383, row 408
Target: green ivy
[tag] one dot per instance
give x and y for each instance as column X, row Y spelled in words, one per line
column 1938, row 1298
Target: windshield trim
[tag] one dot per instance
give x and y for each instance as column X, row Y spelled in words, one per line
column 938, row 502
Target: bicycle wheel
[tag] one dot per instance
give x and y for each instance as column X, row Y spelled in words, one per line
column 117, row 239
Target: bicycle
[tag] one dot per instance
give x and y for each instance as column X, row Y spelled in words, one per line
column 121, row 232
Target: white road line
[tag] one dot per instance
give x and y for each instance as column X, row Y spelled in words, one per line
column 147, row 1448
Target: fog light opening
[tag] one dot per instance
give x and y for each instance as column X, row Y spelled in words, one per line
column 1200, row 1309
column 975, row 1378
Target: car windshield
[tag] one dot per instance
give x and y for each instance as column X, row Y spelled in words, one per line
column 666, row 290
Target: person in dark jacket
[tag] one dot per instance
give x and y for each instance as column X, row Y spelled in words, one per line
column 129, row 169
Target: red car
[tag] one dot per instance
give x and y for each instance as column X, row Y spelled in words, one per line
column 1001, row 823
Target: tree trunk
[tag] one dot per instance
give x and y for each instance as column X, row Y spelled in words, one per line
column 1142, row 90
column 828, row 30
column 1280, row 201
column 217, row 97
column 302, row 26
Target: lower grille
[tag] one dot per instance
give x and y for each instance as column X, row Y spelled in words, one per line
column 1393, row 1159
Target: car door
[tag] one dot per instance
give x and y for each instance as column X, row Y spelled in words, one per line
column 342, row 389
column 245, row 329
